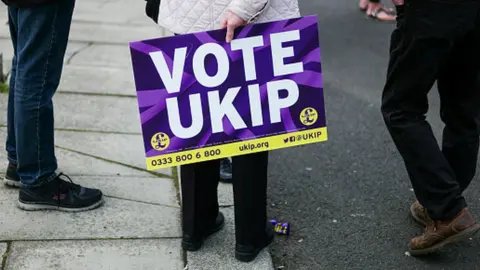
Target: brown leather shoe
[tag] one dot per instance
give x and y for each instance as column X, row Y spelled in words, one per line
column 440, row 233
column 419, row 213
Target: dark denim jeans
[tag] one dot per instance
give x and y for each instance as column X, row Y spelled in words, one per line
column 39, row 36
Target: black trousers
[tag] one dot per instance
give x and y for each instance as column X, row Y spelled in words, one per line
column 200, row 202
column 436, row 41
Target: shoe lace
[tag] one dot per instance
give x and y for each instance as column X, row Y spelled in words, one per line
column 65, row 185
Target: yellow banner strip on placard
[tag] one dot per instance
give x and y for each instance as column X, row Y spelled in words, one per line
column 238, row 148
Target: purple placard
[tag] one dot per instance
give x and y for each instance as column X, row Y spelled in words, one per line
column 267, row 85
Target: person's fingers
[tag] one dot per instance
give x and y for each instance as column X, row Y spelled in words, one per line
column 223, row 23
column 230, row 29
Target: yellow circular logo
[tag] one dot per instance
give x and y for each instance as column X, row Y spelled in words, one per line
column 308, row 116
column 160, row 141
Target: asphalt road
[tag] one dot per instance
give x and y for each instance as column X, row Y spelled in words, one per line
column 347, row 199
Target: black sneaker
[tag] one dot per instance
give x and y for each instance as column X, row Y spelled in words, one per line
column 226, row 170
column 248, row 253
column 11, row 177
column 195, row 242
column 61, row 195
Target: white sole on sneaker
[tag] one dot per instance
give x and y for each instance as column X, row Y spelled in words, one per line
column 40, row 207
column 11, row 183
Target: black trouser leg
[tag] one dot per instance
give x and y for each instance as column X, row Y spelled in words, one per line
column 427, row 41
column 199, row 196
column 404, row 105
column 250, row 195
column 459, row 88
column 396, row 38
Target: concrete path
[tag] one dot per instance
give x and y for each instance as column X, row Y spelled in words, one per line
column 99, row 144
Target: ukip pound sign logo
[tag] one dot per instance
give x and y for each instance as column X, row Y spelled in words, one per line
column 160, row 141
column 308, row 116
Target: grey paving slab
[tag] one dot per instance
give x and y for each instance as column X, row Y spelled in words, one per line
column 3, row 14
column 124, row 12
column 106, row 33
column 225, row 194
column 118, row 11
column 98, row 80
column 6, row 49
column 3, row 249
column 85, row 112
column 163, row 254
column 105, row 55
column 3, row 108
column 114, row 180
column 7, row 66
column 127, row 149
column 75, row 164
column 116, row 219
column 218, row 251
column 105, row 113
column 153, row 190
column 110, row 33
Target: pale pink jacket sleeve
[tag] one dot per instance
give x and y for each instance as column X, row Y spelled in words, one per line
column 248, row 10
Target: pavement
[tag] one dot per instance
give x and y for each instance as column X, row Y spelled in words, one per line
column 99, row 144
column 347, row 199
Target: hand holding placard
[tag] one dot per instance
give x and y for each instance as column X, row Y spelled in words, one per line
column 231, row 21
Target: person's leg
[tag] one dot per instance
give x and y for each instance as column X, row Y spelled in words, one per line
column 426, row 44
column 41, row 35
column 396, row 38
column 226, row 170
column 411, row 75
column 364, row 4
column 459, row 88
column 200, row 210
column 377, row 11
column 250, row 196
column 11, row 176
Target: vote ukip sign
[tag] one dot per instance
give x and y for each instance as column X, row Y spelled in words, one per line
column 201, row 98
